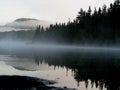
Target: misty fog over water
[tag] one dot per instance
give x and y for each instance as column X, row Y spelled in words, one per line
column 43, row 47
column 78, row 67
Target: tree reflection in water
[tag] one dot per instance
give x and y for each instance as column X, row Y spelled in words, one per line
column 101, row 68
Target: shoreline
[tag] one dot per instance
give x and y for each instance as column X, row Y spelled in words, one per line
column 16, row 82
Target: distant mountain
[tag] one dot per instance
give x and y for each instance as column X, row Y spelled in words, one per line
column 25, row 19
column 24, row 24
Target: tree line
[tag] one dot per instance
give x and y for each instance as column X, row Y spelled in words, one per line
column 101, row 26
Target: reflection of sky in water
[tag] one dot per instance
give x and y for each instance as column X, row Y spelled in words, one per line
column 11, row 65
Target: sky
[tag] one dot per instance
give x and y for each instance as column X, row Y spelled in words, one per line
column 51, row 10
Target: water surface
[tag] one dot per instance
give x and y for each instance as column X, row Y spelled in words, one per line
column 79, row 68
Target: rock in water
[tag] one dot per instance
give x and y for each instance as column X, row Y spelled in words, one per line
column 20, row 83
column 25, row 83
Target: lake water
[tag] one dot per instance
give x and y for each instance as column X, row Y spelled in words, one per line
column 79, row 68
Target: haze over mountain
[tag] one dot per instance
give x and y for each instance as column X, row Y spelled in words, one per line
column 24, row 24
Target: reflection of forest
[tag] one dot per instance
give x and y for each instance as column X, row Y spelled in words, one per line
column 101, row 68
column 103, row 72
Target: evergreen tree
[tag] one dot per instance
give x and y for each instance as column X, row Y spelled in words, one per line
column 100, row 26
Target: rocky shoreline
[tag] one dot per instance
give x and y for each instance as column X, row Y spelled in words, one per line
column 27, row 83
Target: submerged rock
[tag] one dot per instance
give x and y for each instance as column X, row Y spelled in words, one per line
column 20, row 82
column 26, row 83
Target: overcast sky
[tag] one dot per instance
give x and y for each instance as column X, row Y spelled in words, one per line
column 52, row 10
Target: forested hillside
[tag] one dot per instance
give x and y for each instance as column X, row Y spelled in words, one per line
column 98, row 26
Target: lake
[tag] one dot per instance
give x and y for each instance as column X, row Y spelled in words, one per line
column 85, row 68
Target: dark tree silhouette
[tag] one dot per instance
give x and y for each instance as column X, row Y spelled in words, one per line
column 100, row 27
